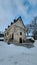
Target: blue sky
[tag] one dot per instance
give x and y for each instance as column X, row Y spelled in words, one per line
column 11, row 9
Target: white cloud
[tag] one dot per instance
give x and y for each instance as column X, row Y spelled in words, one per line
column 33, row 2
column 21, row 8
column 9, row 9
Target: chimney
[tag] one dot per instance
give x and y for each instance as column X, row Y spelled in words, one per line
column 11, row 23
column 14, row 20
column 5, row 28
column 8, row 26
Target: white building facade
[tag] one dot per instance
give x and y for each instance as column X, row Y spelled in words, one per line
column 16, row 32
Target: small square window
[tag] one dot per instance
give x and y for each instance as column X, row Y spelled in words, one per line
column 20, row 33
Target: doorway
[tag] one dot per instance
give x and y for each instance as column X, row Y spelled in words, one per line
column 20, row 40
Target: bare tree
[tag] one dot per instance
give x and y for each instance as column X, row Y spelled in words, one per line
column 32, row 28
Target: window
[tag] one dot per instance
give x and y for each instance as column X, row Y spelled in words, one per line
column 20, row 33
column 12, row 36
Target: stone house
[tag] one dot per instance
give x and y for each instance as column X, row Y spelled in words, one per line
column 16, row 32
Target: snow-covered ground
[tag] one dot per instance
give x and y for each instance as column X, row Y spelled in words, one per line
column 17, row 55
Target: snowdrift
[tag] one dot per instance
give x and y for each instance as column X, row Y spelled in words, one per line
column 17, row 55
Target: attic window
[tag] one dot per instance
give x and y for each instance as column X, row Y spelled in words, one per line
column 20, row 33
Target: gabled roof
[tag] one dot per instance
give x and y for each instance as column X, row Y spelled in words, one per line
column 16, row 20
column 19, row 18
